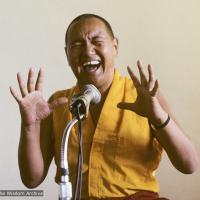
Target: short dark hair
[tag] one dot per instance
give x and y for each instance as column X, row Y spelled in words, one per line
column 89, row 15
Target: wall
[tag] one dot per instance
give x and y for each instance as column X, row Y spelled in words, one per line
column 163, row 33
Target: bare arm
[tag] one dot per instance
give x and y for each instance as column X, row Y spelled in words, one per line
column 35, row 147
column 151, row 104
column 179, row 148
column 34, row 154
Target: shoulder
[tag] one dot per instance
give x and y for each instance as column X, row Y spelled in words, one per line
column 61, row 93
column 129, row 87
column 123, row 80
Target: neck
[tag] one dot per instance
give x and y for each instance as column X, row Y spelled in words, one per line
column 95, row 109
column 104, row 92
column 102, row 89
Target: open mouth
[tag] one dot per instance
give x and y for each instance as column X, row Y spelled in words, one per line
column 91, row 66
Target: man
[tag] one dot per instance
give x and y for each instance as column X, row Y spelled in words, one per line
column 123, row 135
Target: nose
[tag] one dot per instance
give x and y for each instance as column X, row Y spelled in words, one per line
column 89, row 49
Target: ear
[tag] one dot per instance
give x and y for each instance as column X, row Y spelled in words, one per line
column 116, row 44
column 66, row 52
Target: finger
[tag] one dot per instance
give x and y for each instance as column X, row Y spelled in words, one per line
column 57, row 103
column 40, row 80
column 143, row 77
column 30, row 82
column 133, row 77
column 15, row 94
column 125, row 106
column 151, row 77
column 155, row 89
column 22, row 86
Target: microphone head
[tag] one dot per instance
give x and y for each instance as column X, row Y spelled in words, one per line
column 96, row 95
column 88, row 94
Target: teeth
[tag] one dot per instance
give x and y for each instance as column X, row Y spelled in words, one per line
column 93, row 62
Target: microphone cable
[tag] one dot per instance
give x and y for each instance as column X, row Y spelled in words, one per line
column 78, row 182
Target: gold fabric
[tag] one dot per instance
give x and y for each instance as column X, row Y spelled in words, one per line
column 120, row 156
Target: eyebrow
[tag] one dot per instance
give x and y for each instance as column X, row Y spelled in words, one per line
column 97, row 37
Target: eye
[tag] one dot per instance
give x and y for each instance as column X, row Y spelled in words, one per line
column 75, row 45
column 98, row 42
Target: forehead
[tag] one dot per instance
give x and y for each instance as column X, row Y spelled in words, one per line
column 87, row 27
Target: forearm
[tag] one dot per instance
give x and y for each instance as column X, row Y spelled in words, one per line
column 30, row 156
column 35, row 151
column 151, row 103
column 179, row 148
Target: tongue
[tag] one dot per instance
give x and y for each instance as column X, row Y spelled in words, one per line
column 91, row 68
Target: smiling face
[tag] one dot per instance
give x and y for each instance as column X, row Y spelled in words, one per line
column 91, row 53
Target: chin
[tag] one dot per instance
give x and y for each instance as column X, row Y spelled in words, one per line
column 93, row 82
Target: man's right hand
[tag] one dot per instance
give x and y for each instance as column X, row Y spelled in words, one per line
column 35, row 149
column 32, row 105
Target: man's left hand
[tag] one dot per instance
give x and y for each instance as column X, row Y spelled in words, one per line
column 147, row 103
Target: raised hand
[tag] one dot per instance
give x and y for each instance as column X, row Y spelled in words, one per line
column 147, row 103
column 33, row 107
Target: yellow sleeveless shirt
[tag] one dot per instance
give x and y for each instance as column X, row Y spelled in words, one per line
column 120, row 156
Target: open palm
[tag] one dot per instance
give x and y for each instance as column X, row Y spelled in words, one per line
column 33, row 106
column 146, row 103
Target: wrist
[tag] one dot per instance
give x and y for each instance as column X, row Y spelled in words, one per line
column 25, row 124
column 161, row 124
column 29, row 127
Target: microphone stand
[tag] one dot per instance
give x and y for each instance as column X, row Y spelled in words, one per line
column 65, row 192
column 79, row 106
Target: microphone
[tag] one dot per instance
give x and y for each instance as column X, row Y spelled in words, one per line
column 88, row 94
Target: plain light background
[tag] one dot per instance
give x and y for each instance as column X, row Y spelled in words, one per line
column 163, row 33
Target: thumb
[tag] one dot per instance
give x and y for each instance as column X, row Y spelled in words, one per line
column 57, row 103
column 126, row 106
